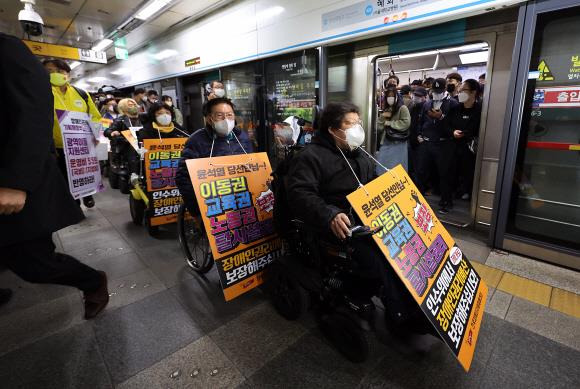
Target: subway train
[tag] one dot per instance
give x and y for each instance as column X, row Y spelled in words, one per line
column 527, row 175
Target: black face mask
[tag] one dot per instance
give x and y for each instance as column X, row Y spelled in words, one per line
column 450, row 88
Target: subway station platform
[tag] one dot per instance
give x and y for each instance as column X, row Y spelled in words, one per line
column 166, row 327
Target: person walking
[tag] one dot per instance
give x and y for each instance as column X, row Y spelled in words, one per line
column 34, row 198
column 68, row 98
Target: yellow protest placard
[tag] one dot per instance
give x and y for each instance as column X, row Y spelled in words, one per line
column 237, row 206
column 161, row 161
column 424, row 255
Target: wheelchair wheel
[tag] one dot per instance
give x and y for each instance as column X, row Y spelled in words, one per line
column 137, row 209
column 124, row 185
column 288, row 297
column 194, row 243
column 113, row 180
column 347, row 336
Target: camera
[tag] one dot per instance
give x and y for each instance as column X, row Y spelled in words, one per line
column 30, row 20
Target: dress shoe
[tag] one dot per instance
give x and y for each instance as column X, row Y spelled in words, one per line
column 96, row 301
column 88, row 201
column 5, row 296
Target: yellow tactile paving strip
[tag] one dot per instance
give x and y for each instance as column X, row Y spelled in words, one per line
column 527, row 289
column 491, row 275
column 557, row 299
column 566, row 302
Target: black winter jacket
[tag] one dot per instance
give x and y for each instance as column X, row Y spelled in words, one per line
column 466, row 120
column 436, row 129
column 27, row 160
column 320, row 179
column 199, row 146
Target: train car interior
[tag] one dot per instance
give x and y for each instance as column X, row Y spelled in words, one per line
column 470, row 61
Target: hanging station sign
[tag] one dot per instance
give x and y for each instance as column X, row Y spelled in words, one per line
column 66, row 52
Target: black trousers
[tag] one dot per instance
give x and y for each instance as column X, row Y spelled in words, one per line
column 441, row 155
column 465, row 168
column 36, row 261
column 372, row 270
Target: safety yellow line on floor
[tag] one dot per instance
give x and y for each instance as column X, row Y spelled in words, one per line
column 490, row 275
column 566, row 302
column 526, row 289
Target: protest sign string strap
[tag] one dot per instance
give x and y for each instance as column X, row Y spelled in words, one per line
column 226, row 165
column 360, row 185
column 393, row 173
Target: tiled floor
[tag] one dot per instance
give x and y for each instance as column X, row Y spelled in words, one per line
column 169, row 328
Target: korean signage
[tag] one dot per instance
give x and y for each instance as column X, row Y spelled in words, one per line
column 388, row 10
column 557, row 97
column 435, row 271
column 66, row 52
column 131, row 136
column 161, row 159
column 237, row 210
column 84, row 171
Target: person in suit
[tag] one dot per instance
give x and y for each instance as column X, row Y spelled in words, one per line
column 34, row 198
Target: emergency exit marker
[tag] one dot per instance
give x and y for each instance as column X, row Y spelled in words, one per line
column 545, row 73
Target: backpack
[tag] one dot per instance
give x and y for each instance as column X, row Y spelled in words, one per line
column 282, row 210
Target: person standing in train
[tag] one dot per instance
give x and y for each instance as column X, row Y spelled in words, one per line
column 152, row 98
column 464, row 122
column 436, row 145
column 68, row 98
column 394, row 122
column 420, row 96
column 453, row 83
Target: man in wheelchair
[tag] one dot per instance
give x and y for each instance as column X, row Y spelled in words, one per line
column 319, row 179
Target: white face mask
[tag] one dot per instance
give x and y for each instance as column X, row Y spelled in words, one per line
column 463, row 97
column 170, row 103
column 224, row 127
column 355, row 136
column 418, row 99
column 112, row 108
column 144, row 99
column 438, row 96
column 219, row 92
column 164, row 119
column 390, row 100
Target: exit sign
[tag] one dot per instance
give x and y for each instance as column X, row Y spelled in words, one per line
column 121, row 53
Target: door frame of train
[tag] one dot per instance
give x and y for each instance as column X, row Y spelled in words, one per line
column 471, row 37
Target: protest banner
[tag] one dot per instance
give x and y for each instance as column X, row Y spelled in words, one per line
column 131, row 136
column 424, row 255
column 84, row 171
column 161, row 159
column 237, row 206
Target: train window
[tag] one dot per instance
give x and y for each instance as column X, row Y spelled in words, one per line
column 545, row 197
column 291, row 93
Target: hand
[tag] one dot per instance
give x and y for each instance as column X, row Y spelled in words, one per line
column 458, row 134
column 387, row 114
column 11, row 201
column 340, row 226
column 420, row 139
column 115, row 133
column 142, row 151
column 388, row 123
column 435, row 114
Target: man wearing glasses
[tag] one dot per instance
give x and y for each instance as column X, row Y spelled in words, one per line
column 219, row 137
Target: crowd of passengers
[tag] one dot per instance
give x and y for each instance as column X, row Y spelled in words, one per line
column 431, row 127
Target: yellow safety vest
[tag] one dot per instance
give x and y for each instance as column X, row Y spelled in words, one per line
column 70, row 101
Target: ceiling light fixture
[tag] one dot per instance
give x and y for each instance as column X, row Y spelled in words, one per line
column 477, row 57
column 165, row 54
column 102, row 45
column 74, row 64
column 97, row 79
column 151, row 8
